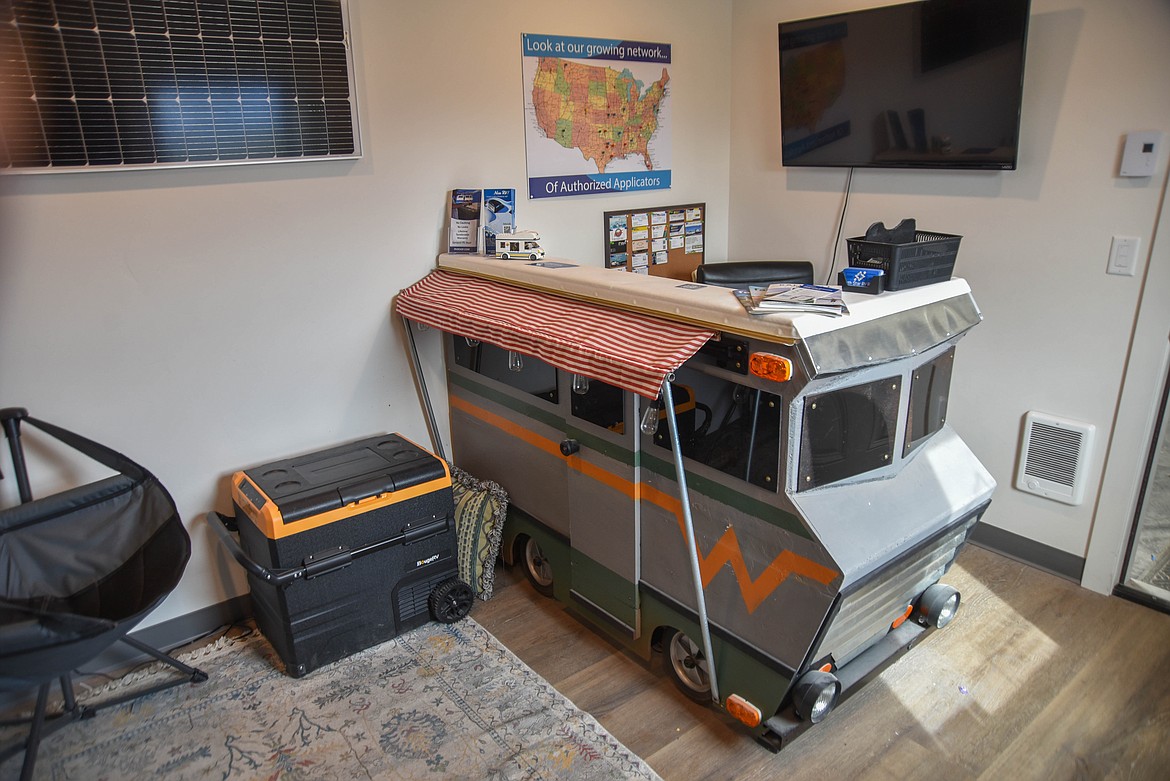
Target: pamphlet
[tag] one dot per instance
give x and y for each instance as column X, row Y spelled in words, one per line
column 499, row 216
column 463, row 232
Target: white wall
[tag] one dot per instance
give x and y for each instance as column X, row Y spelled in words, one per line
column 1035, row 242
column 1138, row 416
column 207, row 320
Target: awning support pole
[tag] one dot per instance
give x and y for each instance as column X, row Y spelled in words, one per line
column 692, row 546
column 436, row 440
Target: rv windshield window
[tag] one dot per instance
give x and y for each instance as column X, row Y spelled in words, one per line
column 930, row 387
column 848, row 432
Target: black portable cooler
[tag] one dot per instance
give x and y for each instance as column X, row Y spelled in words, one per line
column 346, row 548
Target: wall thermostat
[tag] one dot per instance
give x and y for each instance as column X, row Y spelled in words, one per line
column 1141, row 153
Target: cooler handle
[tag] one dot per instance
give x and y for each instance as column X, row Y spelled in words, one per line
column 426, row 531
column 219, row 525
column 366, row 489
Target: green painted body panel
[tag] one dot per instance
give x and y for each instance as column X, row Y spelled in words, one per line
column 519, row 525
column 738, row 672
column 605, row 589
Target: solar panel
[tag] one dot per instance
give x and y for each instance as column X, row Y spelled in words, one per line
column 106, row 84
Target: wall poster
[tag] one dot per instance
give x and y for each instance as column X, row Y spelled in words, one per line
column 596, row 115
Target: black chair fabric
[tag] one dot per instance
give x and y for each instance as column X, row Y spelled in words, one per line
column 78, row 570
column 753, row 272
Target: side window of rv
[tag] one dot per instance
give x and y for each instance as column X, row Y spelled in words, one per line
column 930, row 387
column 522, row 372
column 848, row 432
column 599, row 403
column 727, row 426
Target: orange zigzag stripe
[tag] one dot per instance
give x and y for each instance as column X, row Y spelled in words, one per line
column 725, row 551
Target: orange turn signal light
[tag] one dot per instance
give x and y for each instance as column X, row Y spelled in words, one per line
column 770, row 367
column 743, row 710
column 827, row 667
column 898, row 621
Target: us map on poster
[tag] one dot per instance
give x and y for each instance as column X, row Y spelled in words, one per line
column 596, row 115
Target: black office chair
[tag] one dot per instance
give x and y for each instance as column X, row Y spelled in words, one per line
column 753, row 272
column 78, row 570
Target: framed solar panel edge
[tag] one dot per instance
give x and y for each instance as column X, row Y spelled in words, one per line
column 141, row 85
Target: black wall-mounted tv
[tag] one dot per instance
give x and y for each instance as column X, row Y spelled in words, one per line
column 934, row 84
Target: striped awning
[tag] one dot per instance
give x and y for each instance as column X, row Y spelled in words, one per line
column 627, row 349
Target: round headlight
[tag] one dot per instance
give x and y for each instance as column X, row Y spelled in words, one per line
column 938, row 605
column 815, row 694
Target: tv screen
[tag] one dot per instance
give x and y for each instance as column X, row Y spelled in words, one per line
column 934, row 84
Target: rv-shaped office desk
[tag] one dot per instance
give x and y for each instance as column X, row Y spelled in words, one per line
column 770, row 501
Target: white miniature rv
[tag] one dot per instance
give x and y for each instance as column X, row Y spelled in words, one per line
column 521, row 244
column 770, row 501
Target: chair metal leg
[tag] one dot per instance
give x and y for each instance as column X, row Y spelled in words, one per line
column 44, row 725
column 67, row 694
column 34, row 734
column 194, row 675
column 197, row 676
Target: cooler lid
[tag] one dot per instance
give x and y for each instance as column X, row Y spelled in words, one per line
column 309, row 485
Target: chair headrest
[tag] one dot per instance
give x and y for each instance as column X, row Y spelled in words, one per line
column 754, row 272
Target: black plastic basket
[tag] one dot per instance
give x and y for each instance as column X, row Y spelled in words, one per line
column 929, row 258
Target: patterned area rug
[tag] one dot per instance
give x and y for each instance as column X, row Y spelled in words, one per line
column 443, row 701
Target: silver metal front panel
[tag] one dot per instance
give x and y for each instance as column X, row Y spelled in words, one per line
column 899, row 335
column 866, row 614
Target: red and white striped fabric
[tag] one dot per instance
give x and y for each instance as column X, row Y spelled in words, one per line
column 630, row 350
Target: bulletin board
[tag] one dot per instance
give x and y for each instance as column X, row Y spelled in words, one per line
column 662, row 241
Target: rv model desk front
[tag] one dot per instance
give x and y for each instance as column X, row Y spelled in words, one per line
column 826, row 502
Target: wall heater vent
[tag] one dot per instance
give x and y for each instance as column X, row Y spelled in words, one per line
column 1054, row 456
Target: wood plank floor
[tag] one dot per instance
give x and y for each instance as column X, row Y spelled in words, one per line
column 1036, row 678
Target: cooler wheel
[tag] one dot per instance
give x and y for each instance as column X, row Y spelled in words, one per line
column 450, row 601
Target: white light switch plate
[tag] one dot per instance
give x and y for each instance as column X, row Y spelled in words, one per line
column 1123, row 254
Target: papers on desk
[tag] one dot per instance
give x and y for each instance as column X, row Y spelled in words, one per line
column 792, row 298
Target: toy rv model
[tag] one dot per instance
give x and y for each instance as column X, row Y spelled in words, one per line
column 521, row 244
column 769, row 501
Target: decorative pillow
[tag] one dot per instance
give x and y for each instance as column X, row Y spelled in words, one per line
column 480, row 507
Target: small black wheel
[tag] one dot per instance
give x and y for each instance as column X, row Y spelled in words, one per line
column 532, row 256
column 450, row 601
column 687, row 665
column 537, row 567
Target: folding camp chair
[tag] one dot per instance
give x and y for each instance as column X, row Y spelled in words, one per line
column 78, row 570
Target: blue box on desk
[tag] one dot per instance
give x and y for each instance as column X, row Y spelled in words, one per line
column 869, row 281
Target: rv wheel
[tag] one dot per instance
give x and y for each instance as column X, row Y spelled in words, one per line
column 450, row 601
column 532, row 256
column 537, row 567
column 687, row 666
